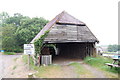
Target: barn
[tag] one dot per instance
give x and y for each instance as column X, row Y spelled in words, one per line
column 71, row 37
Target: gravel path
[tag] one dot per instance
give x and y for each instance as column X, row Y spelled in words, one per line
column 5, row 62
column 68, row 72
column 94, row 71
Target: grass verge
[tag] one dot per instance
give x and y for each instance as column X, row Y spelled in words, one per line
column 9, row 53
column 42, row 71
column 99, row 62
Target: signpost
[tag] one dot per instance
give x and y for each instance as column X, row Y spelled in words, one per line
column 29, row 50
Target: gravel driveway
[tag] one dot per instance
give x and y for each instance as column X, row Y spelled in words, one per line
column 5, row 62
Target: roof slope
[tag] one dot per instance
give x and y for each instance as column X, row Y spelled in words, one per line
column 66, row 28
column 66, row 18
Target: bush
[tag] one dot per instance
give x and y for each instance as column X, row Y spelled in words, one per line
column 9, row 53
column 17, row 49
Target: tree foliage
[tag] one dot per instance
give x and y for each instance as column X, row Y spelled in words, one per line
column 8, row 38
column 113, row 48
column 3, row 17
column 18, row 30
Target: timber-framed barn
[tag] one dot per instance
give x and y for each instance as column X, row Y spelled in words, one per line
column 71, row 36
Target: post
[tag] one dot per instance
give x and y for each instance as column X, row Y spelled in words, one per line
column 39, row 60
column 28, row 61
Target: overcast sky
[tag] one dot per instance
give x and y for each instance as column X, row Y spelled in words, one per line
column 101, row 16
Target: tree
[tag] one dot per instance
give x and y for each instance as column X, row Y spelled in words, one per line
column 16, row 19
column 19, row 30
column 29, row 29
column 113, row 48
column 3, row 17
column 8, row 38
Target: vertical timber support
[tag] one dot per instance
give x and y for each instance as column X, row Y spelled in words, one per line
column 87, row 50
column 94, row 50
column 91, row 49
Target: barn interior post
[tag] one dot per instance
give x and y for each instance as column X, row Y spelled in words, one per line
column 91, row 52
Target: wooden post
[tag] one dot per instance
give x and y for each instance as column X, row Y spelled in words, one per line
column 39, row 60
column 28, row 61
column 86, row 50
column 94, row 50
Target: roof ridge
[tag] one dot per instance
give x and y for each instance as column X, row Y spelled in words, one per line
column 60, row 15
column 68, row 18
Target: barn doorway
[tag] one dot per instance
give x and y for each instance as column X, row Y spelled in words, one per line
column 68, row 52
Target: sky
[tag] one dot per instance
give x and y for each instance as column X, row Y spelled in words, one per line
column 101, row 16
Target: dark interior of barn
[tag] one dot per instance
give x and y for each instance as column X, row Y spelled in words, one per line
column 69, row 51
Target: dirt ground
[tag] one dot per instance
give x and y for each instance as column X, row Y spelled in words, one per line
column 18, row 69
column 94, row 71
column 5, row 62
column 65, row 61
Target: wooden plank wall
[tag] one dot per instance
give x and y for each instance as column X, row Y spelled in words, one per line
column 62, row 32
column 70, row 33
